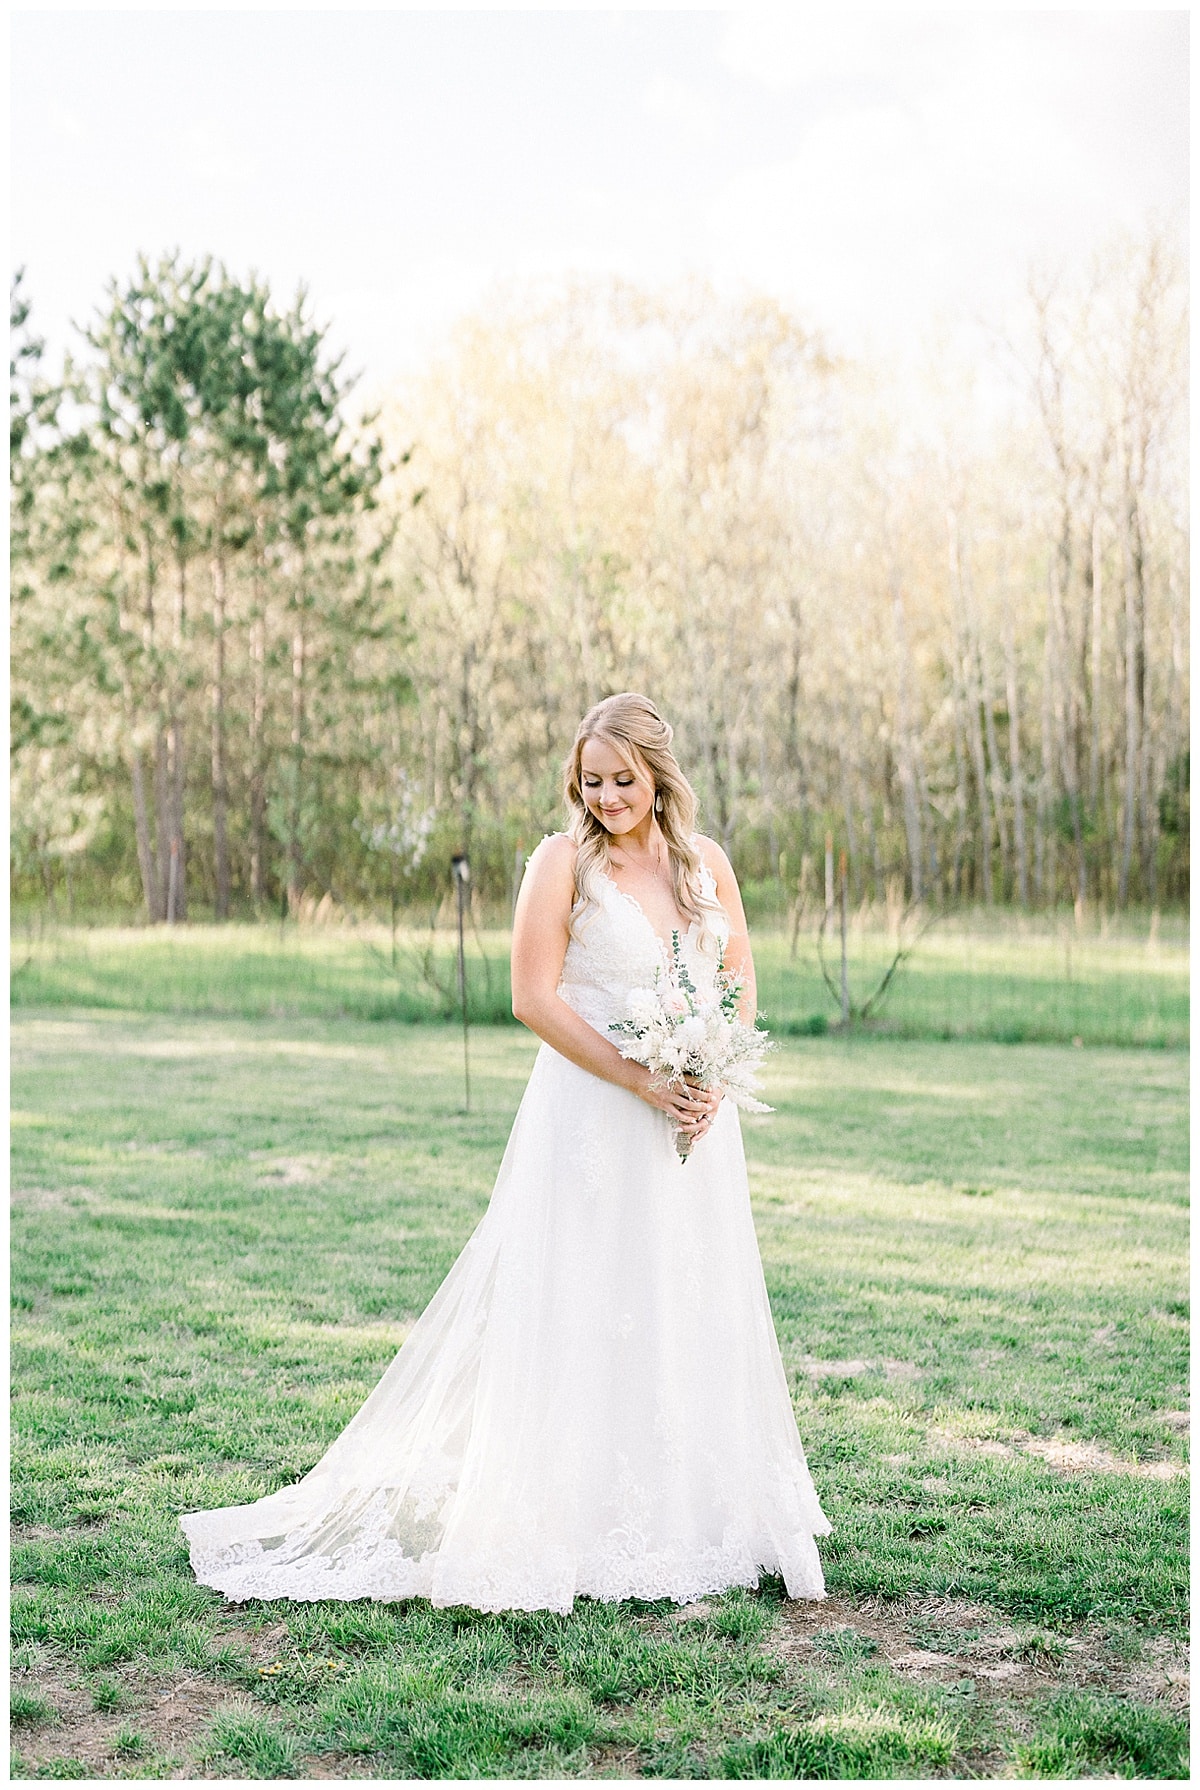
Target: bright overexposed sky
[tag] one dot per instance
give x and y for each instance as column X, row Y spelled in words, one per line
column 876, row 171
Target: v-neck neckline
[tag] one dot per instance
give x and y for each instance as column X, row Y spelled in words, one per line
column 664, row 944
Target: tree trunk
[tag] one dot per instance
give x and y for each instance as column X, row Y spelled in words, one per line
column 1171, row 738
column 797, row 778
column 907, row 758
column 177, row 857
column 258, row 805
column 162, row 819
column 768, row 797
column 1043, row 847
column 1146, row 807
column 967, row 680
column 1129, row 814
column 1094, row 791
column 219, row 782
column 979, row 764
column 848, row 807
column 960, row 805
column 1064, row 710
column 1015, row 772
column 295, row 848
column 995, row 774
column 727, row 771
column 873, row 843
column 178, row 863
column 929, row 822
column 147, row 863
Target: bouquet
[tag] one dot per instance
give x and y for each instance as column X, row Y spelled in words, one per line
column 678, row 1036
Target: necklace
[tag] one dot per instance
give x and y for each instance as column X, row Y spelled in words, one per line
column 652, row 868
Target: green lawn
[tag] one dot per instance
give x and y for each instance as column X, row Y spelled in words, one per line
column 998, row 976
column 977, row 1260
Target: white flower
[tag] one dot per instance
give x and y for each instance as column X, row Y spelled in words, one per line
column 672, row 1033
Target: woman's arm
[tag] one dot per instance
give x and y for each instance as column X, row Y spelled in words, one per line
column 539, row 945
column 738, row 956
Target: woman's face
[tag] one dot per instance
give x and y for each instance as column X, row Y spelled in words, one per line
column 619, row 798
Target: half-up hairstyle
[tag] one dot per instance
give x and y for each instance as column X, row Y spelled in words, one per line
column 633, row 727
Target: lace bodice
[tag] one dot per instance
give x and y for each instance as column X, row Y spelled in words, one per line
column 618, row 950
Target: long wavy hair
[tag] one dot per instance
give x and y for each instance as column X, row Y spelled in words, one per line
column 633, row 727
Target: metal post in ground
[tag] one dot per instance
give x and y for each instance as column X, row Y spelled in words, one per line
column 845, row 977
column 462, row 877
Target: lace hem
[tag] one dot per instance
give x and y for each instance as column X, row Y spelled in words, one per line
column 382, row 1573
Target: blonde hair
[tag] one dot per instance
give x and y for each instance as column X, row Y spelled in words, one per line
column 633, row 727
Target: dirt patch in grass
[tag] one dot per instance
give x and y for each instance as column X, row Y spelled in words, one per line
column 612, row 1762
column 1061, row 1455
column 1163, row 1676
column 48, row 1199
column 949, row 1639
column 1087, row 1457
column 836, row 1370
column 171, row 1714
column 168, row 1713
column 289, row 1171
column 894, row 1372
column 39, row 1532
column 325, row 1765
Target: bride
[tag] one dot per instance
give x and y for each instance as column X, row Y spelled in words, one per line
column 593, row 1403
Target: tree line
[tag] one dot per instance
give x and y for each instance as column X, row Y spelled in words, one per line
column 265, row 650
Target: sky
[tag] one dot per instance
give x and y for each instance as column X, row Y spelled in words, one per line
column 877, row 172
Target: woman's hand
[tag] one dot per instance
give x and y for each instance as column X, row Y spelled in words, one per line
column 690, row 1107
column 711, row 1098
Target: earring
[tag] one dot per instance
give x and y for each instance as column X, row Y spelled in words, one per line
column 657, row 804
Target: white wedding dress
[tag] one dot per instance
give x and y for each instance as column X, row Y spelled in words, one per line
column 593, row 1403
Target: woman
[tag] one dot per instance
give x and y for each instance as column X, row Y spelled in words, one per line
column 593, row 1403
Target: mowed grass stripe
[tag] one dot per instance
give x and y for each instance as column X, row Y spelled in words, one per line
column 996, row 975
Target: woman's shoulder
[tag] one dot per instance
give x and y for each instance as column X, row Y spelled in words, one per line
column 554, row 848
column 554, row 857
column 548, row 884
column 712, row 857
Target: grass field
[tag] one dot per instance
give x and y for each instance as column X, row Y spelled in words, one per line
column 223, row 1227
column 997, row 976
